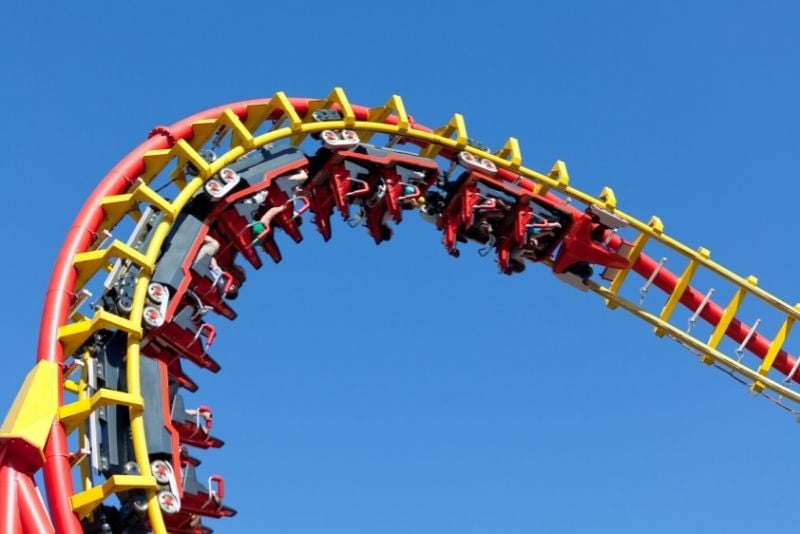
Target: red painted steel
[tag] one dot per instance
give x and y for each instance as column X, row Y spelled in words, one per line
column 33, row 514
column 9, row 510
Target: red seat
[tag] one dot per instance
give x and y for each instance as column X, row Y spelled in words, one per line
column 193, row 429
column 579, row 247
column 512, row 232
column 204, row 500
column 322, row 202
column 460, row 211
column 233, row 227
column 187, row 336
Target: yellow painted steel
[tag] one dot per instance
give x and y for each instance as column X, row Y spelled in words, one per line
column 202, row 131
column 696, row 345
column 609, row 198
column 34, row 408
column 558, row 177
column 71, row 415
column 638, row 245
column 182, row 152
column 677, row 293
column 258, row 113
column 88, row 263
column 337, row 97
column 380, row 114
column 85, row 502
column 774, row 348
column 117, row 206
column 240, row 135
column 452, row 136
column 456, row 127
column 73, row 335
column 511, row 153
column 727, row 316
column 154, row 162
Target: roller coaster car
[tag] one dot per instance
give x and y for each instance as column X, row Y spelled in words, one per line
column 512, row 233
column 111, row 432
column 184, row 279
column 582, row 246
column 396, row 179
column 519, row 224
column 335, row 180
column 272, row 178
column 463, row 199
column 258, row 169
column 172, row 428
column 530, row 230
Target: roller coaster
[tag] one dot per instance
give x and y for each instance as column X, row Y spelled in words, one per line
column 150, row 265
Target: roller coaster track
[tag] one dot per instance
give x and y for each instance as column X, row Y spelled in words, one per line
column 57, row 401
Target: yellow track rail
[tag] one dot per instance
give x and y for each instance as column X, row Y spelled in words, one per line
column 292, row 126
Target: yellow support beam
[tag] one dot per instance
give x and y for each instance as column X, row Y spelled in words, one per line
column 638, row 245
column 774, row 348
column 70, row 386
column 73, row 414
column 202, row 131
column 338, row 97
column 34, row 408
column 558, row 173
column 511, row 154
column 187, row 154
column 73, row 335
column 609, row 198
column 258, row 113
column 380, row 114
column 455, row 127
column 680, row 287
column 727, row 316
column 88, row 263
column 84, row 502
column 117, row 206
column 240, row 135
column 154, row 163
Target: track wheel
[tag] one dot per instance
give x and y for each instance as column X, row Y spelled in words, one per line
column 162, row 471
column 152, row 316
column 168, row 502
column 139, row 503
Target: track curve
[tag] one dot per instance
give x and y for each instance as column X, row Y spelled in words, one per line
column 63, row 331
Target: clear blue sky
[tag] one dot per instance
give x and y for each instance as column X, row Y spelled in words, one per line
column 394, row 389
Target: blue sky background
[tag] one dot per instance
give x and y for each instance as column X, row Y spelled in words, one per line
column 394, row 389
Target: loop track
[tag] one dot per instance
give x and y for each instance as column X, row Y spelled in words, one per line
column 129, row 194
